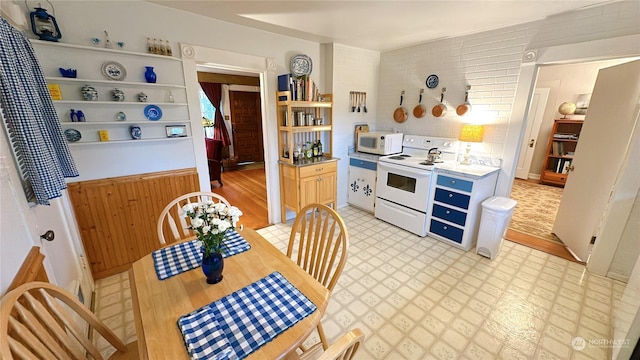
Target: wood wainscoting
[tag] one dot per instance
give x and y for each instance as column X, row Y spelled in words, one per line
column 117, row 217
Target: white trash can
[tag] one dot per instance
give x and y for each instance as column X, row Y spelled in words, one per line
column 496, row 215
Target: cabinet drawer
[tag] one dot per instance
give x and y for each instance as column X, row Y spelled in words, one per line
column 452, row 198
column 454, row 216
column 369, row 165
column 554, row 176
column 323, row 168
column 455, row 183
column 449, row 231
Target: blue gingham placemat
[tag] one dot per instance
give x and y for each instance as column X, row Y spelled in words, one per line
column 238, row 324
column 174, row 260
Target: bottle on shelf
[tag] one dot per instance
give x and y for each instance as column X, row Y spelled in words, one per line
column 149, row 45
column 169, row 50
column 163, row 47
column 320, row 150
column 156, row 46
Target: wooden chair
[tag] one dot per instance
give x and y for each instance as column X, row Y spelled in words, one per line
column 319, row 243
column 34, row 324
column 214, row 159
column 343, row 349
column 171, row 216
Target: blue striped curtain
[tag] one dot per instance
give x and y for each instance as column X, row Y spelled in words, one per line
column 31, row 116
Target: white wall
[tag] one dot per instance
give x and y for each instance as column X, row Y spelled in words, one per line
column 353, row 70
column 491, row 63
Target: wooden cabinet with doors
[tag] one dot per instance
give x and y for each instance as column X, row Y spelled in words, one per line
column 560, row 150
column 308, row 183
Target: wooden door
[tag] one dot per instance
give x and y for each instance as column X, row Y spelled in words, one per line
column 603, row 144
column 534, row 120
column 327, row 189
column 246, row 121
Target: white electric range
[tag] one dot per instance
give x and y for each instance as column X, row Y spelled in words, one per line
column 404, row 181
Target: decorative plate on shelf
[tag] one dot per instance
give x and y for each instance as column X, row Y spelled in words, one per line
column 301, row 65
column 432, row 81
column 113, row 70
column 121, row 116
column 72, row 135
column 153, row 112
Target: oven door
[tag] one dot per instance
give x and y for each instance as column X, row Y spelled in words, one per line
column 404, row 185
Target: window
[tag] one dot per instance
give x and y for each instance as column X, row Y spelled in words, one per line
column 208, row 114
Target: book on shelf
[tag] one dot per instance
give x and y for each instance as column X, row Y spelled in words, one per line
column 301, row 89
column 565, row 166
column 555, row 146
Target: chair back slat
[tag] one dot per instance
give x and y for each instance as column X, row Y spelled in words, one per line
column 53, row 323
column 27, row 338
column 36, row 322
column 320, row 238
column 172, row 218
column 37, row 329
column 69, row 323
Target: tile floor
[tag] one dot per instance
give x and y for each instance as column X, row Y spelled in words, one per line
column 418, row 298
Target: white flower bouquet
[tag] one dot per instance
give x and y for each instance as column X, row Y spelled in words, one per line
column 210, row 221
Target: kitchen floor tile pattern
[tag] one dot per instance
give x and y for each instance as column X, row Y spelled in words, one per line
column 419, row 298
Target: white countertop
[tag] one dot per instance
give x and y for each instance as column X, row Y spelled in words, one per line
column 365, row 156
column 474, row 170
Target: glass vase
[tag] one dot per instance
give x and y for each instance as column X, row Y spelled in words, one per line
column 212, row 266
column 149, row 74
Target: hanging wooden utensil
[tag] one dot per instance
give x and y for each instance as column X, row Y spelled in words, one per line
column 440, row 109
column 400, row 114
column 419, row 110
column 466, row 107
column 352, row 96
column 365, row 102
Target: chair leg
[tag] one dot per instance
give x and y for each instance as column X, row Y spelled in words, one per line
column 323, row 338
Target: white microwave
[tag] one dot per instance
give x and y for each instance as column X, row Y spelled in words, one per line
column 380, row 143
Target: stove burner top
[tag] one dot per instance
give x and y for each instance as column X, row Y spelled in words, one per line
column 398, row 157
column 426, row 163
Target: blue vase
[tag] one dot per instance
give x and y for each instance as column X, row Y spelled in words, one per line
column 149, row 74
column 212, row 266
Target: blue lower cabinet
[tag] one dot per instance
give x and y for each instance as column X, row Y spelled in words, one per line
column 448, row 231
column 452, row 198
column 451, row 215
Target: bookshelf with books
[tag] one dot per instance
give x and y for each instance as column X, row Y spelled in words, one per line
column 560, row 151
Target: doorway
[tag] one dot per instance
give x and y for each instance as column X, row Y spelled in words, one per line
column 566, row 83
column 243, row 185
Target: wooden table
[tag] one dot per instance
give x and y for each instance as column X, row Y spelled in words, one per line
column 157, row 304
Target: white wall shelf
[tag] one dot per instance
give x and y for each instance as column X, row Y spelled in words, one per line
column 144, row 122
column 112, row 142
column 101, row 49
column 57, row 79
column 87, row 102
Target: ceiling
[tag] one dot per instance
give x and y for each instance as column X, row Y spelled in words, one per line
column 378, row 25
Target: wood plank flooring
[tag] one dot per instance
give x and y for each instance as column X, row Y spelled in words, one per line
column 246, row 189
column 540, row 244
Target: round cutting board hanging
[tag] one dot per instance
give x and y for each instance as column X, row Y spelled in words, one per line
column 400, row 114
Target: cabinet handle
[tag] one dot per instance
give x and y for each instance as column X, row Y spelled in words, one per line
column 319, row 169
column 450, row 195
column 453, row 181
column 447, row 212
column 444, row 228
column 320, row 179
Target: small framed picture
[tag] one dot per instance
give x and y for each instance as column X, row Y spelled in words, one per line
column 176, row 130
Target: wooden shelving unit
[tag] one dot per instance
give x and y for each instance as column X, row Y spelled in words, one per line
column 560, row 150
